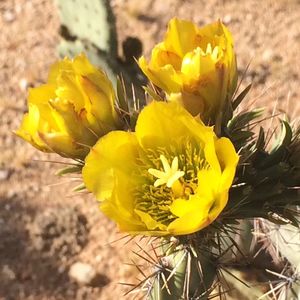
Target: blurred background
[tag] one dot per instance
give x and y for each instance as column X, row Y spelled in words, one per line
column 55, row 244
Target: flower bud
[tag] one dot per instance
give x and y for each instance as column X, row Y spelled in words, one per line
column 69, row 113
column 195, row 67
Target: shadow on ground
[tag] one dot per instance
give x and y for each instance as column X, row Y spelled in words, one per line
column 34, row 261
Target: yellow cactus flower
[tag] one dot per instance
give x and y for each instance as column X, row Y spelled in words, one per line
column 71, row 111
column 169, row 177
column 195, row 67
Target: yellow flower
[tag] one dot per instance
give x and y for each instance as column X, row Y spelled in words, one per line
column 170, row 177
column 195, row 67
column 71, row 111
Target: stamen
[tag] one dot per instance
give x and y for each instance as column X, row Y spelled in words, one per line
column 169, row 175
column 208, row 48
column 213, row 52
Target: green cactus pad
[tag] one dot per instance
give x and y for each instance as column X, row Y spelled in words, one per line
column 90, row 20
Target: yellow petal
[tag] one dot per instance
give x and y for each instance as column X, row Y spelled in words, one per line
column 108, row 174
column 150, row 223
column 120, row 206
column 85, row 69
column 208, row 183
column 200, row 209
column 192, row 215
column 69, row 89
column 74, row 124
column 164, row 77
column 57, row 67
column 161, row 57
column 228, row 159
column 29, row 130
column 214, row 32
column 211, row 156
column 180, row 207
column 98, row 89
column 40, row 95
column 153, row 127
column 181, row 36
column 218, row 206
column 115, row 152
column 100, row 106
column 63, row 145
column 195, row 64
column 189, row 223
column 193, row 103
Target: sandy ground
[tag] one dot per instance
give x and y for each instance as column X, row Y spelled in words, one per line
column 34, row 264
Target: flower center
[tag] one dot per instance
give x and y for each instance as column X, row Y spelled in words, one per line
column 165, row 175
column 169, row 175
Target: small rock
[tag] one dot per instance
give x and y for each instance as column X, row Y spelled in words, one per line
column 98, row 258
column 23, row 84
column 4, row 174
column 267, row 55
column 9, row 16
column 83, row 273
column 227, row 19
column 8, row 272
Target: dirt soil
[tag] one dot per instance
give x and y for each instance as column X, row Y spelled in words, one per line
column 45, row 228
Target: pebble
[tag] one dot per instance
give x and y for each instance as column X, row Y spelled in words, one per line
column 227, row 19
column 4, row 174
column 8, row 272
column 23, row 84
column 267, row 55
column 83, row 273
column 9, row 16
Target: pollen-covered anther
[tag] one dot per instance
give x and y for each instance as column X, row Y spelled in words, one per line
column 169, row 175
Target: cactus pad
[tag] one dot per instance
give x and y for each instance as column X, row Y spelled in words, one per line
column 90, row 20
